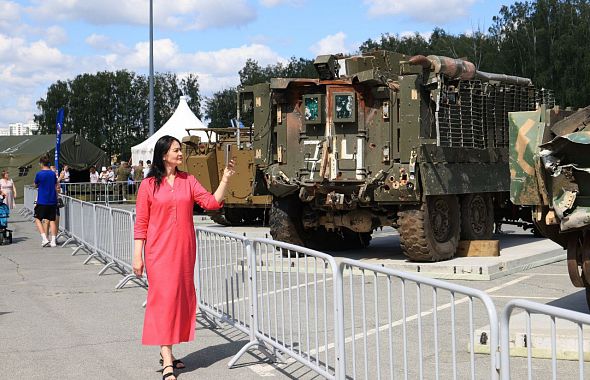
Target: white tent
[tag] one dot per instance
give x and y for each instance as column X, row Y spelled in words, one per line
column 176, row 126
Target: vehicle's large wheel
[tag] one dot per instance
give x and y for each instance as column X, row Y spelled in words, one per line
column 477, row 217
column 219, row 218
column 234, row 216
column 285, row 220
column 431, row 232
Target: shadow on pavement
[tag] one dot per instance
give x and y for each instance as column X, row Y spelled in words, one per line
column 574, row 302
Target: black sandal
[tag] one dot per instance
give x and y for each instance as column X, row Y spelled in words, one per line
column 175, row 363
column 164, row 377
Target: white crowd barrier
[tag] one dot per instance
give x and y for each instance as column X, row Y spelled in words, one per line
column 344, row 320
column 104, row 233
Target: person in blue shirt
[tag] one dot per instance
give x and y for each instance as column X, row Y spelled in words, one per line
column 46, row 184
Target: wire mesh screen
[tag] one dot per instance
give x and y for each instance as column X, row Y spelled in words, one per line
column 474, row 114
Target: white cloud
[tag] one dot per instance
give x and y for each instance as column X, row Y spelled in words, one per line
column 9, row 14
column 406, row 34
column 421, row 10
column 181, row 14
column 216, row 69
column 332, row 44
column 104, row 43
column 56, row 35
column 274, row 3
column 27, row 68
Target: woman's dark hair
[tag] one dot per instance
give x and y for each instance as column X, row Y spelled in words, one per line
column 158, row 170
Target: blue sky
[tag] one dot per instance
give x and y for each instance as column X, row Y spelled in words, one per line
column 42, row 41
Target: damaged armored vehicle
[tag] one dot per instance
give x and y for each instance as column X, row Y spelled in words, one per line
column 383, row 139
column 550, row 172
column 247, row 200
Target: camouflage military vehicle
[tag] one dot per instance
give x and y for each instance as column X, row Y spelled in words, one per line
column 383, row 139
column 247, row 200
column 550, row 172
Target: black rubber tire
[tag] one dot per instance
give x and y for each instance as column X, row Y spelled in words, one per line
column 234, row 216
column 417, row 229
column 285, row 220
column 477, row 217
column 219, row 218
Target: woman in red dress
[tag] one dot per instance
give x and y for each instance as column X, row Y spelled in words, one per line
column 164, row 229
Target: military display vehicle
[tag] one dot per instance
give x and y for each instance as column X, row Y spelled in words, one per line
column 247, row 200
column 550, row 172
column 384, row 139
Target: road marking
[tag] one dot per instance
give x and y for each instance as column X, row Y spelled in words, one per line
column 526, row 297
column 415, row 316
column 549, row 274
column 265, row 294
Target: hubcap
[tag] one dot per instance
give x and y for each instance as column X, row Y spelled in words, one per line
column 439, row 220
column 478, row 215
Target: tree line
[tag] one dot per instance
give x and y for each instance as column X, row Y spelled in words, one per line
column 110, row 109
column 546, row 40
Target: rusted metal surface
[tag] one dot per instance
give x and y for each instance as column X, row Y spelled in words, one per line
column 526, row 133
column 573, row 260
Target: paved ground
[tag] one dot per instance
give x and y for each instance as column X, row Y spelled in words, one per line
column 58, row 319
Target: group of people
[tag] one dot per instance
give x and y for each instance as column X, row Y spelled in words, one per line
column 125, row 172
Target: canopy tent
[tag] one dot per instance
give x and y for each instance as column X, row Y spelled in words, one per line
column 182, row 119
column 20, row 155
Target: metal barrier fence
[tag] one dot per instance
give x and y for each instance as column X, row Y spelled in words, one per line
column 106, row 193
column 393, row 318
column 535, row 341
column 106, row 234
column 346, row 320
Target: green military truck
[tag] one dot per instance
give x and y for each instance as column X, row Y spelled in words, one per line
column 550, row 173
column 384, row 139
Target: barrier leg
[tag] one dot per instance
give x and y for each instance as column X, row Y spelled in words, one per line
column 261, row 347
column 130, row 277
column 106, row 267
column 68, row 241
column 92, row 256
column 78, row 248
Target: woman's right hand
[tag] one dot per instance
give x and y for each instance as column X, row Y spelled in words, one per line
column 137, row 265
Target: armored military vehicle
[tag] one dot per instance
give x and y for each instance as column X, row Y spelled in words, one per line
column 384, row 139
column 247, row 200
column 550, row 172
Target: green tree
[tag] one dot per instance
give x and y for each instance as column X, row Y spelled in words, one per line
column 221, row 108
column 110, row 109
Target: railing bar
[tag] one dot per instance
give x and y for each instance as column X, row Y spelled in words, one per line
column 419, row 314
column 528, row 338
column 377, row 341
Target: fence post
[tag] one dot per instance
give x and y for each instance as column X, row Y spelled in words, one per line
column 340, row 370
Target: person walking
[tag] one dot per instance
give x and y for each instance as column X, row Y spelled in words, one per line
column 164, row 229
column 46, row 208
column 8, row 188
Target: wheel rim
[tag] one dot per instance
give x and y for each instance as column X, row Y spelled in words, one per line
column 439, row 220
column 478, row 214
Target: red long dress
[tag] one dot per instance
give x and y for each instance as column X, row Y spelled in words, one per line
column 164, row 219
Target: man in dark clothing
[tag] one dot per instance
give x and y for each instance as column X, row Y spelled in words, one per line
column 46, row 183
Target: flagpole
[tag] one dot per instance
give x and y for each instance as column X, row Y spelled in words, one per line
column 151, row 79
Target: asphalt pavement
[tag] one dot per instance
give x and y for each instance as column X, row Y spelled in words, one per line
column 60, row 320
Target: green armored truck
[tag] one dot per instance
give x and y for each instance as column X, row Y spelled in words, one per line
column 550, row 173
column 384, row 139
